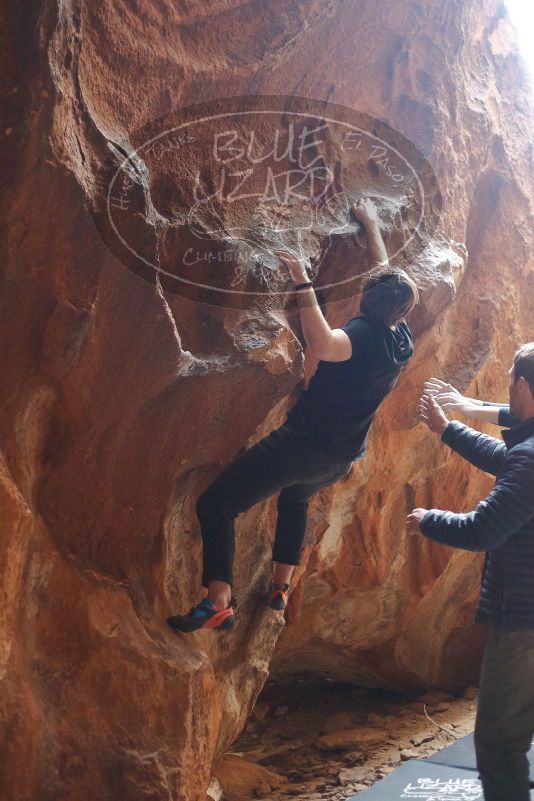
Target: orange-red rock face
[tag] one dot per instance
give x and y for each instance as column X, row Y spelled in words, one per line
column 121, row 398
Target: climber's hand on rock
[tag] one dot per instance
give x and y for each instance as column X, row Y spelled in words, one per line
column 413, row 521
column 432, row 414
column 295, row 266
column 365, row 211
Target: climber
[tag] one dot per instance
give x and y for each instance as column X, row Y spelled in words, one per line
column 324, row 433
column 502, row 525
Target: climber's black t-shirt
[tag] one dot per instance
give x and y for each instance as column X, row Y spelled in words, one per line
column 342, row 398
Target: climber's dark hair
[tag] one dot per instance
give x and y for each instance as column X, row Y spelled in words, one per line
column 524, row 364
column 388, row 295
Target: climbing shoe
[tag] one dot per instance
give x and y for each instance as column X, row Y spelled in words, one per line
column 278, row 596
column 204, row 616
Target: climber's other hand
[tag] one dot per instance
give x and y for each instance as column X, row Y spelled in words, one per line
column 365, row 211
column 295, row 266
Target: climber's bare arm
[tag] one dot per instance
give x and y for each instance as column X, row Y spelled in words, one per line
column 325, row 343
column 365, row 211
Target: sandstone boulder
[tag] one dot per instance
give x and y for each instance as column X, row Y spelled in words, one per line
column 121, row 397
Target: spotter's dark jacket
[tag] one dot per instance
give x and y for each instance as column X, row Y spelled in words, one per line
column 502, row 524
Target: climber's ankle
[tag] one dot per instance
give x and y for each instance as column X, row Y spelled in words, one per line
column 219, row 593
column 282, row 573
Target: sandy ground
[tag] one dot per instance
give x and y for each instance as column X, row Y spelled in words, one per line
column 317, row 740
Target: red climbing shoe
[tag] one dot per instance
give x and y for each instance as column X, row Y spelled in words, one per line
column 204, row 616
column 278, row 596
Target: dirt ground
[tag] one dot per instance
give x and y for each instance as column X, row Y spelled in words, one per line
column 319, row 741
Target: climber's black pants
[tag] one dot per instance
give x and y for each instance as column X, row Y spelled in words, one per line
column 284, row 460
